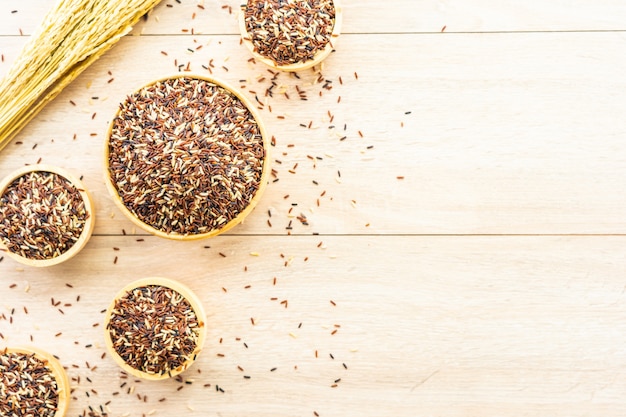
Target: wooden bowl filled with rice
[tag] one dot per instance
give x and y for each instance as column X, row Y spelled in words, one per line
column 46, row 215
column 33, row 383
column 155, row 328
column 290, row 35
column 187, row 157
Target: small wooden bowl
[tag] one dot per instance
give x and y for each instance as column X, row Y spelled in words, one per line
column 183, row 290
column 57, row 370
column 87, row 228
column 236, row 220
column 297, row 66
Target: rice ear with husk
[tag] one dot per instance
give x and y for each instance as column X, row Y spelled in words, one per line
column 73, row 34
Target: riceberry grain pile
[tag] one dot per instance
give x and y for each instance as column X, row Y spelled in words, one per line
column 185, row 155
column 42, row 215
column 154, row 329
column 289, row 31
column 27, row 386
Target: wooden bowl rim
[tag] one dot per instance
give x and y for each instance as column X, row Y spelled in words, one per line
column 265, row 170
column 177, row 286
column 57, row 370
column 89, row 206
column 297, row 66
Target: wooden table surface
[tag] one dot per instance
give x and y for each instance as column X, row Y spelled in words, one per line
column 464, row 252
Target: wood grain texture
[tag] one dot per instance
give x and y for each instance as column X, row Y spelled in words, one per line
column 507, row 133
column 471, row 240
column 446, row 326
column 367, row 16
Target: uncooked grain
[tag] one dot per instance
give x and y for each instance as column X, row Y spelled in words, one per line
column 42, row 215
column 185, row 156
column 289, row 31
column 27, row 385
column 154, row 329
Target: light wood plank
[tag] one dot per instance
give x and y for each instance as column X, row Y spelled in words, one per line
column 368, row 16
column 445, row 326
column 508, row 133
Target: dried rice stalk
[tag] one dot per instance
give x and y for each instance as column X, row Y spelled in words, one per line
column 73, row 35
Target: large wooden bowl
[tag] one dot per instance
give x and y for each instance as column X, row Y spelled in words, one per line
column 242, row 214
